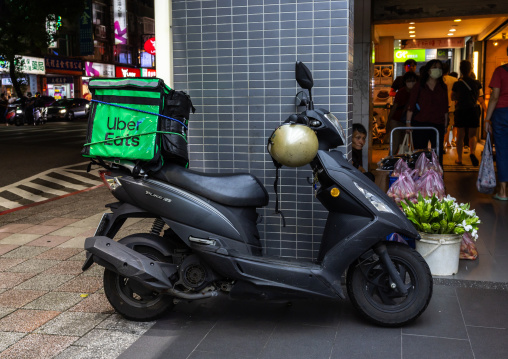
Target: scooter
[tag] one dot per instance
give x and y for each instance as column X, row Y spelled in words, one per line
column 213, row 246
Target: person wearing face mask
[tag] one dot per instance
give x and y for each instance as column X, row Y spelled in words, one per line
column 466, row 92
column 397, row 116
column 428, row 107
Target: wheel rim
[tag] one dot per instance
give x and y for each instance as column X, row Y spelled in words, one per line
column 377, row 286
column 136, row 294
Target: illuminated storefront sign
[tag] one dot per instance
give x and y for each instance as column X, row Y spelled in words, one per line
column 150, row 46
column 95, row 69
column 30, row 65
column 403, row 55
column 450, row 43
column 120, row 18
column 127, row 72
column 148, row 73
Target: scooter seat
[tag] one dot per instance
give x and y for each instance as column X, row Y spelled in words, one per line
column 230, row 189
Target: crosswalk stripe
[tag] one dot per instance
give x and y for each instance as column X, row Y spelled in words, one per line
column 8, row 204
column 63, row 183
column 27, row 195
column 81, row 178
column 45, row 188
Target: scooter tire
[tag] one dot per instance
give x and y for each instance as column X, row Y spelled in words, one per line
column 131, row 299
column 368, row 287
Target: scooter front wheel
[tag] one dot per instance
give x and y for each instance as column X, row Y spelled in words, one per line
column 374, row 295
column 133, row 300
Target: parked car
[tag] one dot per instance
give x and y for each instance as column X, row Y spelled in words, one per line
column 67, row 109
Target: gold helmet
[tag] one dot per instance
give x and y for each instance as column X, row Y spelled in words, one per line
column 293, row 145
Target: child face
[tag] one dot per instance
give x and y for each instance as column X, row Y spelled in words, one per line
column 358, row 140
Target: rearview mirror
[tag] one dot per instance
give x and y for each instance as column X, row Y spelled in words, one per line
column 303, row 76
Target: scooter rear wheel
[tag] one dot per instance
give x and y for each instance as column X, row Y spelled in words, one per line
column 133, row 300
column 370, row 290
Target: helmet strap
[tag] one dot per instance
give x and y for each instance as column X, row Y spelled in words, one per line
column 275, row 185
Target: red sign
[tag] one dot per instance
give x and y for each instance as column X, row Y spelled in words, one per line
column 150, row 46
column 127, row 72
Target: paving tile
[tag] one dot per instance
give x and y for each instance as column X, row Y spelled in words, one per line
column 25, row 252
column 38, row 346
column 488, row 342
column 118, row 323
column 81, row 256
column 16, row 298
column 19, row 239
column 89, row 222
column 10, row 280
column 39, row 229
column 34, row 266
column 6, row 311
column 59, row 222
column 107, row 340
column 485, row 308
column 45, row 281
column 94, row 271
column 24, row 321
column 15, row 228
column 95, row 303
column 65, row 267
column 416, row 346
column 353, row 329
column 4, row 248
column 59, row 253
column 442, row 318
column 4, row 234
column 197, row 354
column 54, row 301
column 82, row 284
column 79, row 352
column 6, row 263
column 68, row 231
column 72, row 323
column 49, row 241
column 7, row 339
column 76, row 242
column 304, row 341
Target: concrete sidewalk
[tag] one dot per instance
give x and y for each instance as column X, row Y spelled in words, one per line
column 49, row 308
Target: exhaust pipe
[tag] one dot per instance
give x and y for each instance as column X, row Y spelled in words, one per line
column 134, row 265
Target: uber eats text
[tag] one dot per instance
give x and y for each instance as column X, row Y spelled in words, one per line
column 118, row 125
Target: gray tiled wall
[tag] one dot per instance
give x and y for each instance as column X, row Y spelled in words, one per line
column 236, row 59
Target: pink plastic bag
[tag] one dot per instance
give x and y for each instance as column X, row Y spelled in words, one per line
column 400, row 167
column 422, row 164
column 468, row 248
column 429, row 184
column 402, row 188
column 435, row 164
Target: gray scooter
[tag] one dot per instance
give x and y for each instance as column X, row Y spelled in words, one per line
column 212, row 244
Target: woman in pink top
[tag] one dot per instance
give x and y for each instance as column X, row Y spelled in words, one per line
column 496, row 122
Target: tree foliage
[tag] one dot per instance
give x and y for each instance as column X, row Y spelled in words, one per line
column 23, row 29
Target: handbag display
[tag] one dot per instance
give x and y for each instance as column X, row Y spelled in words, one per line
column 407, row 146
column 486, row 182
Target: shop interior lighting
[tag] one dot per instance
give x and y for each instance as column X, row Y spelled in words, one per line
column 450, row 34
column 475, row 63
column 412, row 35
column 412, row 27
column 452, row 30
column 496, row 43
column 457, row 20
column 412, row 32
column 412, row 23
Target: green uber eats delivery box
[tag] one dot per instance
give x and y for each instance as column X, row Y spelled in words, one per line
column 137, row 119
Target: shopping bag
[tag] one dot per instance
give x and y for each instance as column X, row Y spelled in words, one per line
column 407, row 147
column 468, row 248
column 486, row 182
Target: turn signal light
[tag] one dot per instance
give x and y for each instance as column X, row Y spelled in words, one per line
column 334, row 192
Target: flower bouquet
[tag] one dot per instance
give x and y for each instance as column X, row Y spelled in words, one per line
column 446, row 216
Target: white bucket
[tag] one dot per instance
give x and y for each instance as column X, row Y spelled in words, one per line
column 441, row 252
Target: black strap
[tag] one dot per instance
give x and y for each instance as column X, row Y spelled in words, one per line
column 275, row 183
column 471, row 92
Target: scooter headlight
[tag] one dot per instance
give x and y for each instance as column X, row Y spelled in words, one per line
column 374, row 200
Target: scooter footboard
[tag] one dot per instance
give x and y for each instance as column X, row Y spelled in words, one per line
column 273, row 277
